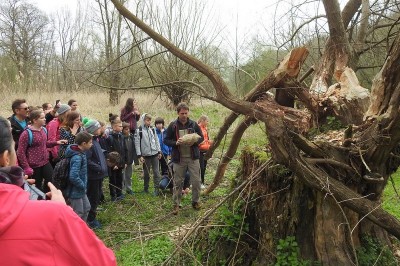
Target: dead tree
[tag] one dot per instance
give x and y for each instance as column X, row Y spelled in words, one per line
column 334, row 188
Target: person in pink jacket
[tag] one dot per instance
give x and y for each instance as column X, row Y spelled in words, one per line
column 32, row 151
column 45, row 232
column 53, row 129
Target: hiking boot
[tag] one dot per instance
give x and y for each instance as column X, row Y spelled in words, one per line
column 196, row 205
column 95, row 224
column 175, row 211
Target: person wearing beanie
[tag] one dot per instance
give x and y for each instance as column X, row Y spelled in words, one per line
column 91, row 126
column 53, row 131
column 85, row 120
column 63, row 109
column 97, row 170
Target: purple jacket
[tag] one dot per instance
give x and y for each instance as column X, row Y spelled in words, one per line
column 36, row 155
column 130, row 118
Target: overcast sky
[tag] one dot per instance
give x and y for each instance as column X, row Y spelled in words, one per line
column 245, row 15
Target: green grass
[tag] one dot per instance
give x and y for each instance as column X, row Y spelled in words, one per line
column 141, row 229
column 391, row 200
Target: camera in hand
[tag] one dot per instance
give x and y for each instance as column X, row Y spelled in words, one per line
column 34, row 192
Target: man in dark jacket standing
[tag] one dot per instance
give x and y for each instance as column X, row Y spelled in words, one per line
column 19, row 120
column 97, row 170
column 185, row 157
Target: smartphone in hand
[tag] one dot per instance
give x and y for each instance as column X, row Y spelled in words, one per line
column 34, row 192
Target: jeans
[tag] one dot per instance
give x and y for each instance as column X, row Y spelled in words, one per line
column 163, row 164
column 203, row 165
column 93, row 193
column 115, row 184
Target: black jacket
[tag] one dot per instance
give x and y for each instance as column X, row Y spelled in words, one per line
column 172, row 135
column 16, row 129
column 115, row 142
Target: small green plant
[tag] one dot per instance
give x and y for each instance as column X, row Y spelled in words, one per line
column 232, row 221
column 150, row 252
column 332, row 123
column 287, row 253
column 372, row 252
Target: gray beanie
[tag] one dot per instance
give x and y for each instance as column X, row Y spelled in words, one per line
column 63, row 108
column 91, row 126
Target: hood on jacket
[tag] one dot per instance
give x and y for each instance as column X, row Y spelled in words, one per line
column 72, row 150
column 12, row 175
column 9, row 211
column 142, row 119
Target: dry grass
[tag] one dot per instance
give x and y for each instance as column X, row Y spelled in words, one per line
column 95, row 104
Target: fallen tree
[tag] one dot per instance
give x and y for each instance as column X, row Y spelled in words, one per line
column 334, row 188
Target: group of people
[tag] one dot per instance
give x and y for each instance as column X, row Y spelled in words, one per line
column 49, row 135
column 31, row 227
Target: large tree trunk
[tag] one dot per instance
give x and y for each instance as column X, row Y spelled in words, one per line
column 332, row 193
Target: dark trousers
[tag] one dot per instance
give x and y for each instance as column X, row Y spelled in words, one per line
column 163, row 165
column 115, row 184
column 203, row 165
column 42, row 176
column 93, row 194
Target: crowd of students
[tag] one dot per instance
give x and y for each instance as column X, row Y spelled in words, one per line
column 45, row 136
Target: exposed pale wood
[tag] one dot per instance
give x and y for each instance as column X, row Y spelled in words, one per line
column 347, row 99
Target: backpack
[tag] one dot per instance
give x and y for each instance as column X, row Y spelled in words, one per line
column 61, row 174
column 141, row 134
column 30, row 135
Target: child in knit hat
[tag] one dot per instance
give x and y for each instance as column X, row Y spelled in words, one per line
column 97, row 170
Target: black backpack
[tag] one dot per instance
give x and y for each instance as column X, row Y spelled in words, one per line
column 61, row 174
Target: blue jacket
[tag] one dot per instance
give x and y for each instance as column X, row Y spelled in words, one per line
column 165, row 149
column 96, row 161
column 77, row 172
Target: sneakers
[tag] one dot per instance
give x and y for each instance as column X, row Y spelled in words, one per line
column 196, row 205
column 119, row 198
column 95, row 224
column 175, row 211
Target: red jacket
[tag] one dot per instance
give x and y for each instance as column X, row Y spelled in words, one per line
column 45, row 233
column 53, row 134
column 205, row 145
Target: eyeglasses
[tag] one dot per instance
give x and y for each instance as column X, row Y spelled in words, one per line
column 25, row 108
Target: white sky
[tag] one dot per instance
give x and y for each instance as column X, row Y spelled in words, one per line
column 245, row 15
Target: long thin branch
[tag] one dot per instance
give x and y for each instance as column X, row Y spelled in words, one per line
column 194, row 227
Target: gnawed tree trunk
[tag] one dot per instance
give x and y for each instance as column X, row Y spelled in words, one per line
column 332, row 193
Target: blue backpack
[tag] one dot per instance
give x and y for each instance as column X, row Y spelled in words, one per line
column 30, row 135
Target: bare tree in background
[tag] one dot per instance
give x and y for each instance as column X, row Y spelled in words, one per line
column 24, row 38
